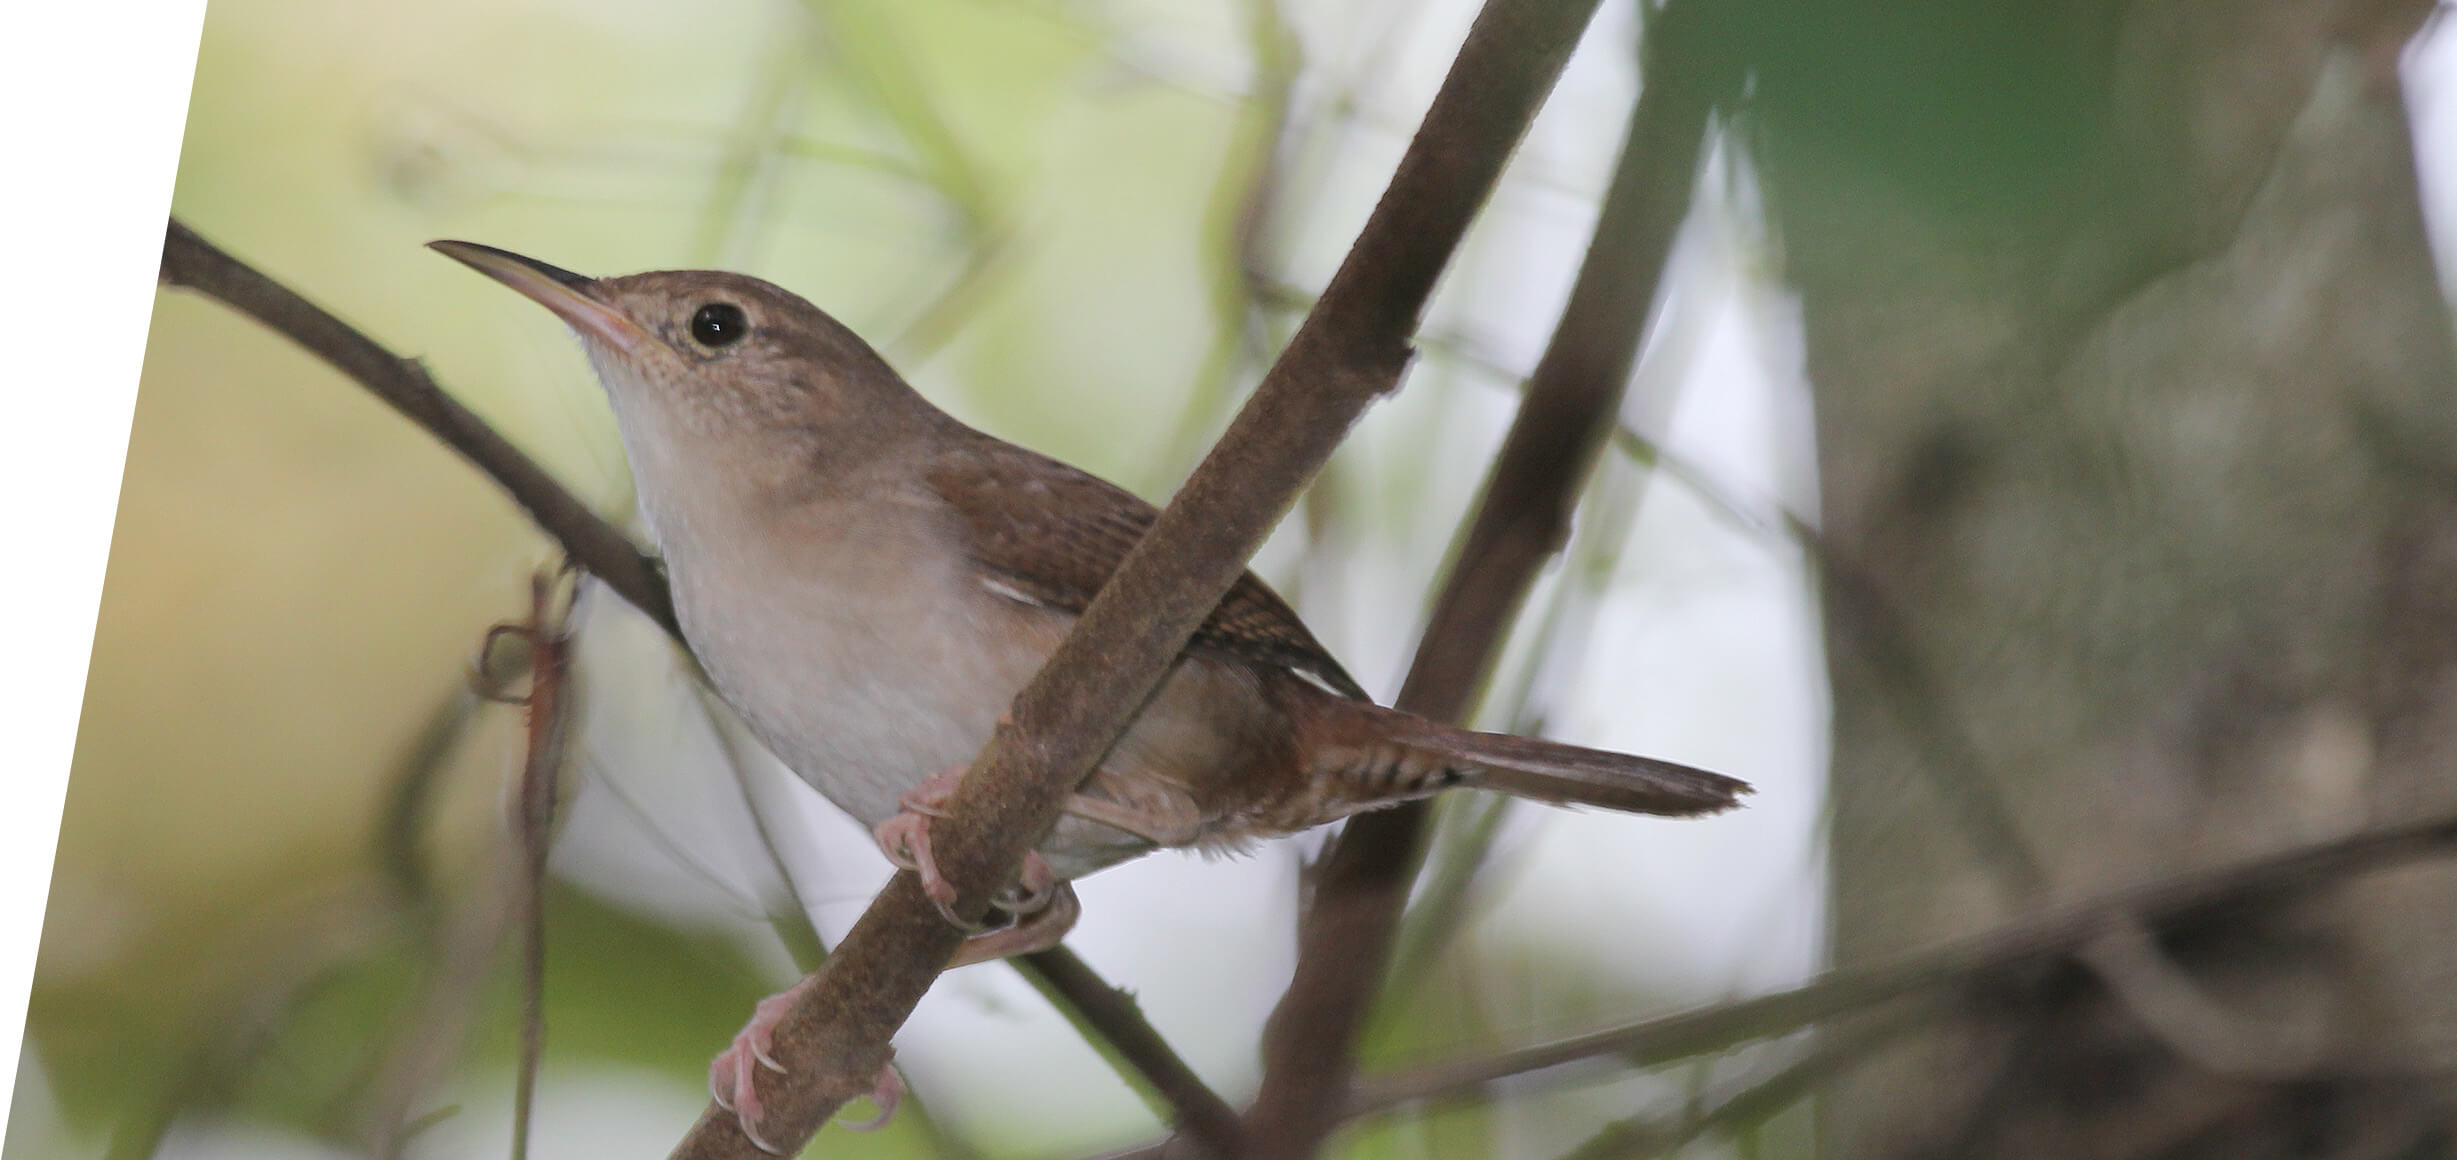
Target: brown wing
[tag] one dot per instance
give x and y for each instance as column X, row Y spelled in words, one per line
column 1054, row 534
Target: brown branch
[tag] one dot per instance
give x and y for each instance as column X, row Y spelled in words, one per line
column 189, row 261
column 1202, row 1114
column 1349, row 351
column 548, row 705
column 1571, row 404
column 192, row 262
column 1955, row 964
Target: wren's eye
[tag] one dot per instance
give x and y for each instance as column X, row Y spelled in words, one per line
column 719, row 324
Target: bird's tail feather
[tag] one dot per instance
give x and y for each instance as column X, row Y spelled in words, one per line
column 1417, row 756
column 1568, row 774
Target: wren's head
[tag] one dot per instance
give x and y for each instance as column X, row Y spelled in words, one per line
column 704, row 364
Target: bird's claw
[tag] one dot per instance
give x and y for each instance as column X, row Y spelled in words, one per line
column 732, row 1076
column 885, row 1092
column 905, row 839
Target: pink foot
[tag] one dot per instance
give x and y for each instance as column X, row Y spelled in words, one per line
column 886, row 1092
column 1035, row 885
column 905, row 839
column 732, row 1074
column 1033, row 931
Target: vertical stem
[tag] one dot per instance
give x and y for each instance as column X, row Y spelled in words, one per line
column 1571, row 404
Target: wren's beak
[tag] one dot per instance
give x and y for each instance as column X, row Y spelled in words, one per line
column 574, row 298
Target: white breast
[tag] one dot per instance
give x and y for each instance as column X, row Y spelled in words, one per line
column 848, row 632
column 864, row 661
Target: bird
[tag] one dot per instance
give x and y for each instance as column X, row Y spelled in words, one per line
column 868, row 581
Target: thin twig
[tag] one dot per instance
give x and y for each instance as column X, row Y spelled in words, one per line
column 292, row 947
column 1878, row 636
column 410, row 793
column 457, row 947
column 548, row 707
column 757, row 137
column 1768, row 521
column 870, row 58
column 1203, row 1115
column 1462, row 844
column 787, row 913
column 1654, row 1134
column 435, row 1024
column 1954, row 964
column 2152, row 986
column 191, row 262
column 1463, row 837
column 1568, row 410
column 1764, row 520
column 1833, row 1052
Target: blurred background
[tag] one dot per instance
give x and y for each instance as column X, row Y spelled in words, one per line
column 2130, row 436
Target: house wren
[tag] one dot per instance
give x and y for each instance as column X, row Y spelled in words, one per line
column 869, row 582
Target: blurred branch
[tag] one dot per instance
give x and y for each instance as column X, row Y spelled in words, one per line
column 2150, row 984
column 1570, row 407
column 191, row 262
column 864, row 43
column 461, row 952
column 1831, row 1053
column 2289, row 1043
column 838, row 153
column 1956, row 964
column 320, row 939
column 426, row 1033
column 1881, row 641
column 400, row 857
column 1758, row 519
column 882, row 66
column 988, row 250
column 1771, row 521
column 1243, row 198
column 1350, row 351
column 758, row 135
column 1466, row 826
column 291, row 947
column 1462, row 842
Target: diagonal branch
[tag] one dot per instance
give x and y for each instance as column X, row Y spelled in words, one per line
column 190, row 261
column 1958, row 963
column 1836, row 1051
column 1201, row 1113
column 1571, row 405
column 1349, row 351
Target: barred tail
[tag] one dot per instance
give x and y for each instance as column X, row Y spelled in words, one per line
column 1410, row 756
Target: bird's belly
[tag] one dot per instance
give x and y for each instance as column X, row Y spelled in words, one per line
column 861, row 692
column 866, row 678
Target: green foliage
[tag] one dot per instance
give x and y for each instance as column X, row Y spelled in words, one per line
column 1979, row 105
